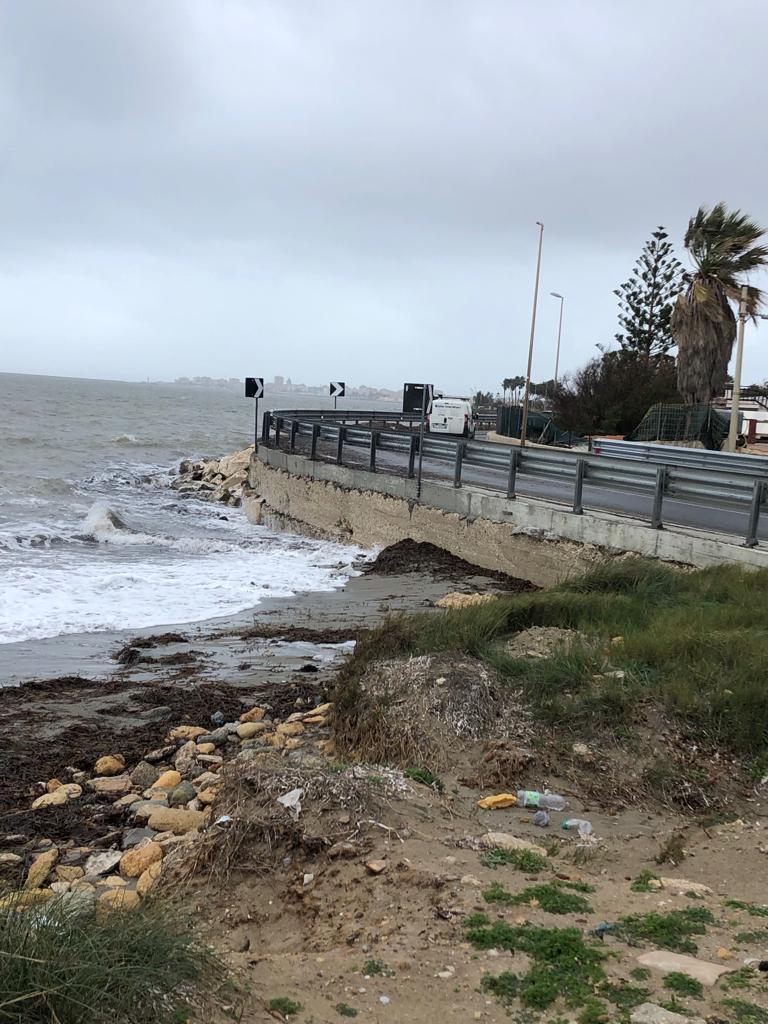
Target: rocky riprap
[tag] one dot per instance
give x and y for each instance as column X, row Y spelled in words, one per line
column 169, row 798
column 222, row 480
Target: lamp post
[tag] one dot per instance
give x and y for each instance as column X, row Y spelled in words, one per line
column 733, row 426
column 557, row 295
column 527, row 396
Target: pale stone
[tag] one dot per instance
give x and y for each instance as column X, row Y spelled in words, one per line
column 214, row 760
column 118, row 899
column 148, row 878
column 275, row 739
column 207, row 796
column 702, row 970
column 294, row 743
column 254, row 715
column 248, row 729
column 505, row 841
column 186, row 756
column 40, row 868
column 102, row 863
column 144, row 809
column 113, row 882
column 376, row 867
column 54, row 799
column 314, row 720
column 290, row 729
column 471, row 880
column 681, row 886
column 186, row 732
column 71, row 790
column 7, row 857
column 52, row 785
column 206, row 748
column 136, row 861
column 111, row 764
column 115, row 785
column 650, row 1013
column 168, row 780
column 60, row 887
column 322, row 709
column 68, row 874
column 207, row 779
column 176, row 820
column 125, row 801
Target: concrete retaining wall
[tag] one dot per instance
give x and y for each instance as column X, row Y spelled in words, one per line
column 527, row 537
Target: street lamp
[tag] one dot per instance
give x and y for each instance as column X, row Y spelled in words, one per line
column 527, row 397
column 736, row 393
column 557, row 295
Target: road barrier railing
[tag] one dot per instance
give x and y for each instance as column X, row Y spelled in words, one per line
column 729, row 487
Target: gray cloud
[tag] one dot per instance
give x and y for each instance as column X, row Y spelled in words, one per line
column 338, row 188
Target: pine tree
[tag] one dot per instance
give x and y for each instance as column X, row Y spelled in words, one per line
column 646, row 300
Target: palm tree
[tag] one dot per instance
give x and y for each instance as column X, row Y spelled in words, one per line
column 723, row 247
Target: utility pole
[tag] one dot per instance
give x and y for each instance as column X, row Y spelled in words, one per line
column 557, row 295
column 527, row 396
column 734, row 424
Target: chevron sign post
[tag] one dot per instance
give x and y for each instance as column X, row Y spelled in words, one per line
column 337, row 390
column 254, row 388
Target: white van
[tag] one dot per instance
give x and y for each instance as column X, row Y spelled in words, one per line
column 452, row 416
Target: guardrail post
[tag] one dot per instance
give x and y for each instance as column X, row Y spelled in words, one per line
column 339, row 445
column 313, row 443
column 754, row 514
column 372, row 458
column 278, row 426
column 514, row 464
column 294, row 432
column 658, row 497
column 414, row 447
column 265, row 429
column 581, row 470
column 457, row 464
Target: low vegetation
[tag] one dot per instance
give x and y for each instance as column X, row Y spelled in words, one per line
column 527, row 861
column 61, row 966
column 683, row 985
column 284, row 1006
column 553, row 897
column 687, row 643
column 670, row 930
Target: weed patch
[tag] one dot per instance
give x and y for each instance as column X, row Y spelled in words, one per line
column 672, row 930
column 505, row 986
column 751, row 908
column 683, row 985
column 345, row 1010
column 745, row 1013
column 425, row 777
column 641, row 883
column 553, row 897
column 563, row 964
column 282, row 1004
column 523, row 860
column 745, row 977
column 625, row 997
column 753, row 938
column 374, row 968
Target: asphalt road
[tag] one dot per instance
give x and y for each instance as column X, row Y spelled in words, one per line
column 713, row 518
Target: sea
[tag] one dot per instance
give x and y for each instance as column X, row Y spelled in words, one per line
column 92, row 537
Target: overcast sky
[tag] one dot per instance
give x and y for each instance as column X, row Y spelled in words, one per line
column 349, row 188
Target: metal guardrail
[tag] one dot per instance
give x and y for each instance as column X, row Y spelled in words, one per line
column 674, row 455
column 729, row 487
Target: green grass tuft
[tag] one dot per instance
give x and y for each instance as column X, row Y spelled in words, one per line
column 553, row 897
column 671, row 930
column 505, row 986
column 751, row 908
column 760, row 936
column 523, row 860
column 284, row 1005
column 640, row 974
column 65, row 967
column 625, row 997
column 425, row 777
column 374, row 968
column 640, row 884
column 345, row 1010
column 744, row 977
column 746, row 1013
column 683, row 985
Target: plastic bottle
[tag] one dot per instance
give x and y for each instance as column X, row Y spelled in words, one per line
column 541, row 818
column 545, row 801
column 584, row 826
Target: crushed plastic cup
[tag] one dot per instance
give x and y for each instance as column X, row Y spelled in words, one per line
column 292, row 802
column 541, row 818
